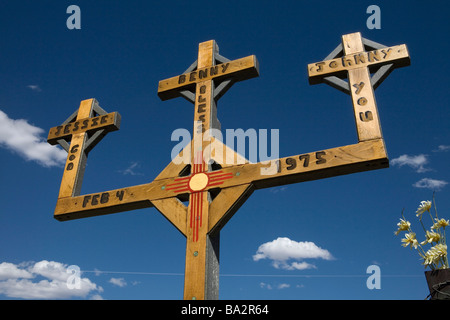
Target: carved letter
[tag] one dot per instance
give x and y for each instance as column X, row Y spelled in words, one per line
column 365, row 117
column 94, row 201
column 104, row 198
column 225, row 67
column 319, row 158
column 306, row 158
column 74, row 148
column 119, row 194
column 386, row 52
column 362, row 101
column 103, row 119
column 86, row 200
column 333, row 64
column 201, row 108
column 373, row 55
column 213, row 71
column 346, row 62
column 67, row 128
column 181, row 79
column 360, row 58
column 85, row 124
column 192, row 76
column 319, row 66
column 358, row 87
column 58, row 130
column 203, row 73
column 292, row 163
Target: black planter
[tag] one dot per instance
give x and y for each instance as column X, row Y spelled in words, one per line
column 438, row 284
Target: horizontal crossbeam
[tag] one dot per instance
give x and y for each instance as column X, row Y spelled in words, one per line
column 239, row 69
column 359, row 157
column 397, row 55
column 109, row 122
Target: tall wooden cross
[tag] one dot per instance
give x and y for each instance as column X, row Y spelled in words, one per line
column 215, row 185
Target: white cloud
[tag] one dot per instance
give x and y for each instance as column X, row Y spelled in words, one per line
column 34, row 87
column 25, row 139
column 283, row 249
column 131, row 170
column 265, row 286
column 278, row 286
column 430, row 184
column 11, row 271
column 442, row 148
column 278, row 189
column 283, row 286
column 120, row 282
column 25, row 281
column 416, row 162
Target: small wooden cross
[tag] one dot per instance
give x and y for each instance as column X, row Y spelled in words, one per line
column 356, row 65
column 216, row 186
column 83, row 129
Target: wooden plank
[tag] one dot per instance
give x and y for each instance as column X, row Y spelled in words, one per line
column 225, row 205
column 398, row 55
column 196, row 272
column 109, row 122
column 239, row 69
column 363, row 98
column 74, row 168
column 203, row 116
column 76, row 157
column 174, row 210
column 196, row 247
column 364, row 156
column 107, row 202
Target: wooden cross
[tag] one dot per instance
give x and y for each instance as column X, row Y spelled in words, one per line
column 84, row 129
column 216, row 186
column 357, row 63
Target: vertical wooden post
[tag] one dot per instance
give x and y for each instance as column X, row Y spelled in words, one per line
column 76, row 158
column 202, row 249
column 365, row 108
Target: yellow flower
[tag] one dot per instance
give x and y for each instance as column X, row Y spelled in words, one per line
column 424, row 206
column 436, row 253
column 431, row 237
column 403, row 225
column 440, row 223
column 410, row 239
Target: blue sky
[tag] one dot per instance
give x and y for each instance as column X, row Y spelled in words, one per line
column 122, row 51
